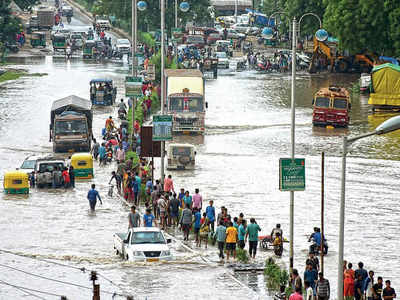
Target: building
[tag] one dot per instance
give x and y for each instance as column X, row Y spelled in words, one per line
column 227, row 7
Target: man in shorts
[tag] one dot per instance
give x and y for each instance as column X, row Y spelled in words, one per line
column 231, row 240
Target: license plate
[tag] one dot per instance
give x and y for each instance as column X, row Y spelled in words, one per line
column 186, row 132
column 152, row 259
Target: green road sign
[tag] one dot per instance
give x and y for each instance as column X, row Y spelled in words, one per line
column 133, row 86
column 292, row 174
column 162, row 128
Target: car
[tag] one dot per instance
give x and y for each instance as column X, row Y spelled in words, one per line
column 241, row 27
column 67, row 11
column 29, row 164
column 103, row 24
column 123, row 46
column 196, row 40
column 44, row 170
column 213, row 37
column 233, row 34
column 223, row 60
column 142, row 244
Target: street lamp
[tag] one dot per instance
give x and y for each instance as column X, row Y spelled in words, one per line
column 389, row 125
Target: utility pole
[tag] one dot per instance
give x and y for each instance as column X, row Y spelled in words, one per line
column 176, row 13
column 134, row 70
column 322, row 208
column 162, row 84
column 292, row 138
column 96, row 287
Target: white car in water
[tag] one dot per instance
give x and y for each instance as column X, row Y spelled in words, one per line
column 223, row 60
column 123, row 46
column 142, row 244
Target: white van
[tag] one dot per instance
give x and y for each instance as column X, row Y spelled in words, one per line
column 181, row 156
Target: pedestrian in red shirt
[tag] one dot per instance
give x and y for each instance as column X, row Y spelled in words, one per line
column 66, row 178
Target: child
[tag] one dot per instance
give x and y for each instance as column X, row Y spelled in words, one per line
column 204, row 229
column 278, row 245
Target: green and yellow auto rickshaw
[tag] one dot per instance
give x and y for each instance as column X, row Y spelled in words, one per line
column 16, row 182
column 83, row 165
column 87, row 48
column 38, row 39
column 59, row 42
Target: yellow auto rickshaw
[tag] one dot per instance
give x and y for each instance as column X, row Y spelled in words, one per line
column 83, row 165
column 16, row 182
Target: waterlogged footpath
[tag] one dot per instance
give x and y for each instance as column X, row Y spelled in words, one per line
column 248, row 130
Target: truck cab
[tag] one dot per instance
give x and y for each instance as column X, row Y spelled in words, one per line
column 331, row 106
column 185, row 100
column 142, row 244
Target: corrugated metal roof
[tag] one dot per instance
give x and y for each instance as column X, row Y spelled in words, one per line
column 183, row 73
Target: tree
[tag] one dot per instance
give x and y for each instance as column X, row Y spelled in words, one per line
column 9, row 25
column 297, row 8
column 364, row 25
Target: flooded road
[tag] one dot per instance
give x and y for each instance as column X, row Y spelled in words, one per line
column 248, row 130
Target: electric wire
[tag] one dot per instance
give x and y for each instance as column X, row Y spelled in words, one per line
column 29, row 289
column 82, row 269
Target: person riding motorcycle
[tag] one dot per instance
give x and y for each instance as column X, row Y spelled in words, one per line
column 122, row 109
column 316, row 239
column 69, row 19
column 110, row 124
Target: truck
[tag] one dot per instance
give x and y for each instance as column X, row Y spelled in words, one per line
column 71, row 124
column 142, row 244
column 185, row 100
column 44, row 19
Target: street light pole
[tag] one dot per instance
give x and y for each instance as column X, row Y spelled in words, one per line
column 292, row 138
column 389, row 125
column 162, row 85
column 176, row 13
column 133, row 51
column 236, row 7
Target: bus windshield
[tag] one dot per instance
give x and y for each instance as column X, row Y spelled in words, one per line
column 322, row 102
column 340, row 103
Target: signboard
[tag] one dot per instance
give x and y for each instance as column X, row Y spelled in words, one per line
column 149, row 148
column 151, row 72
column 133, row 86
column 162, row 127
column 292, row 174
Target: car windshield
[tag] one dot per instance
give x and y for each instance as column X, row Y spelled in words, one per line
column 150, row 237
column 322, row 102
column 187, row 104
column 71, row 127
column 28, row 164
column 181, row 151
column 221, row 54
column 340, row 103
column 123, row 42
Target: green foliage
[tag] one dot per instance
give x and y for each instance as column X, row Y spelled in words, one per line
column 156, row 60
column 11, row 75
column 276, row 277
column 9, row 24
column 365, row 25
column 242, row 255
column 147, row 39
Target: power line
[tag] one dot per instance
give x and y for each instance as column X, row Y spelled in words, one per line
column 33, row 290
column 83, row 269
column 22, row 290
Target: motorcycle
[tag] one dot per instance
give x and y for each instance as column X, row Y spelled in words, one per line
column 69, row 20
column 122, row 114
column 314, row 248
column 68, row 52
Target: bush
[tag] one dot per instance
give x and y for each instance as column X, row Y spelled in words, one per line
column 242, row 255
column 276, row 277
